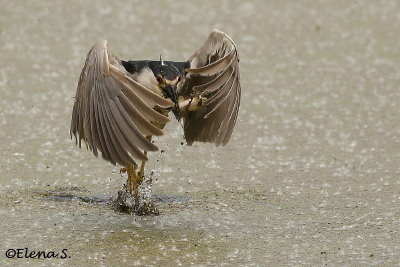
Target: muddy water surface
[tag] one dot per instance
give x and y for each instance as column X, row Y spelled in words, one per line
column 310, row 176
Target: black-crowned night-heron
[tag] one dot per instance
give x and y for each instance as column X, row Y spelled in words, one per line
column 119, row 105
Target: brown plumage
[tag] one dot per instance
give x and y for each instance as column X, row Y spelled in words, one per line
column 119, row 104
column 214, row 72
column 113, row 113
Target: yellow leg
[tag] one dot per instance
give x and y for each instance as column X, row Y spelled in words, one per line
column 133, row 178
column 141, row 172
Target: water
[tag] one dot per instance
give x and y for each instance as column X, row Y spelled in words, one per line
column 310, row 176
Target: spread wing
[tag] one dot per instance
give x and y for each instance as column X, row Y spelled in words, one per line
column 214, row 72
column 113, row 113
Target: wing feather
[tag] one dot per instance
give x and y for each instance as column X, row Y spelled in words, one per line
column 98, row 133
column 138, row 118
column 122, row 139
column 112, row 112
column 124, row 128
column 220, row 98
column 213, row 73
column 111, row 139
column 215, row 67
column 217, row 82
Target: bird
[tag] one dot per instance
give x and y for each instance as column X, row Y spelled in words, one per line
column 121, row 104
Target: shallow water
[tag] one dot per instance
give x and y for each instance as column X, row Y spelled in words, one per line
column 310, row 176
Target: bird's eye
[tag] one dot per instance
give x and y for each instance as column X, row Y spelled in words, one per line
column 179, row 79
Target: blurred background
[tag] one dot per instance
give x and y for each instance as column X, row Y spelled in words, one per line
column 311, row 174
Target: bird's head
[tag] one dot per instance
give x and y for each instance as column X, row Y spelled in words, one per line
column 168, row 78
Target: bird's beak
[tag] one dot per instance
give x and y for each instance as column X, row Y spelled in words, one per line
column 170, row 92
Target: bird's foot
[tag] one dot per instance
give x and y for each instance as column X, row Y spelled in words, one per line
column 192, row 103
column 134, row 178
